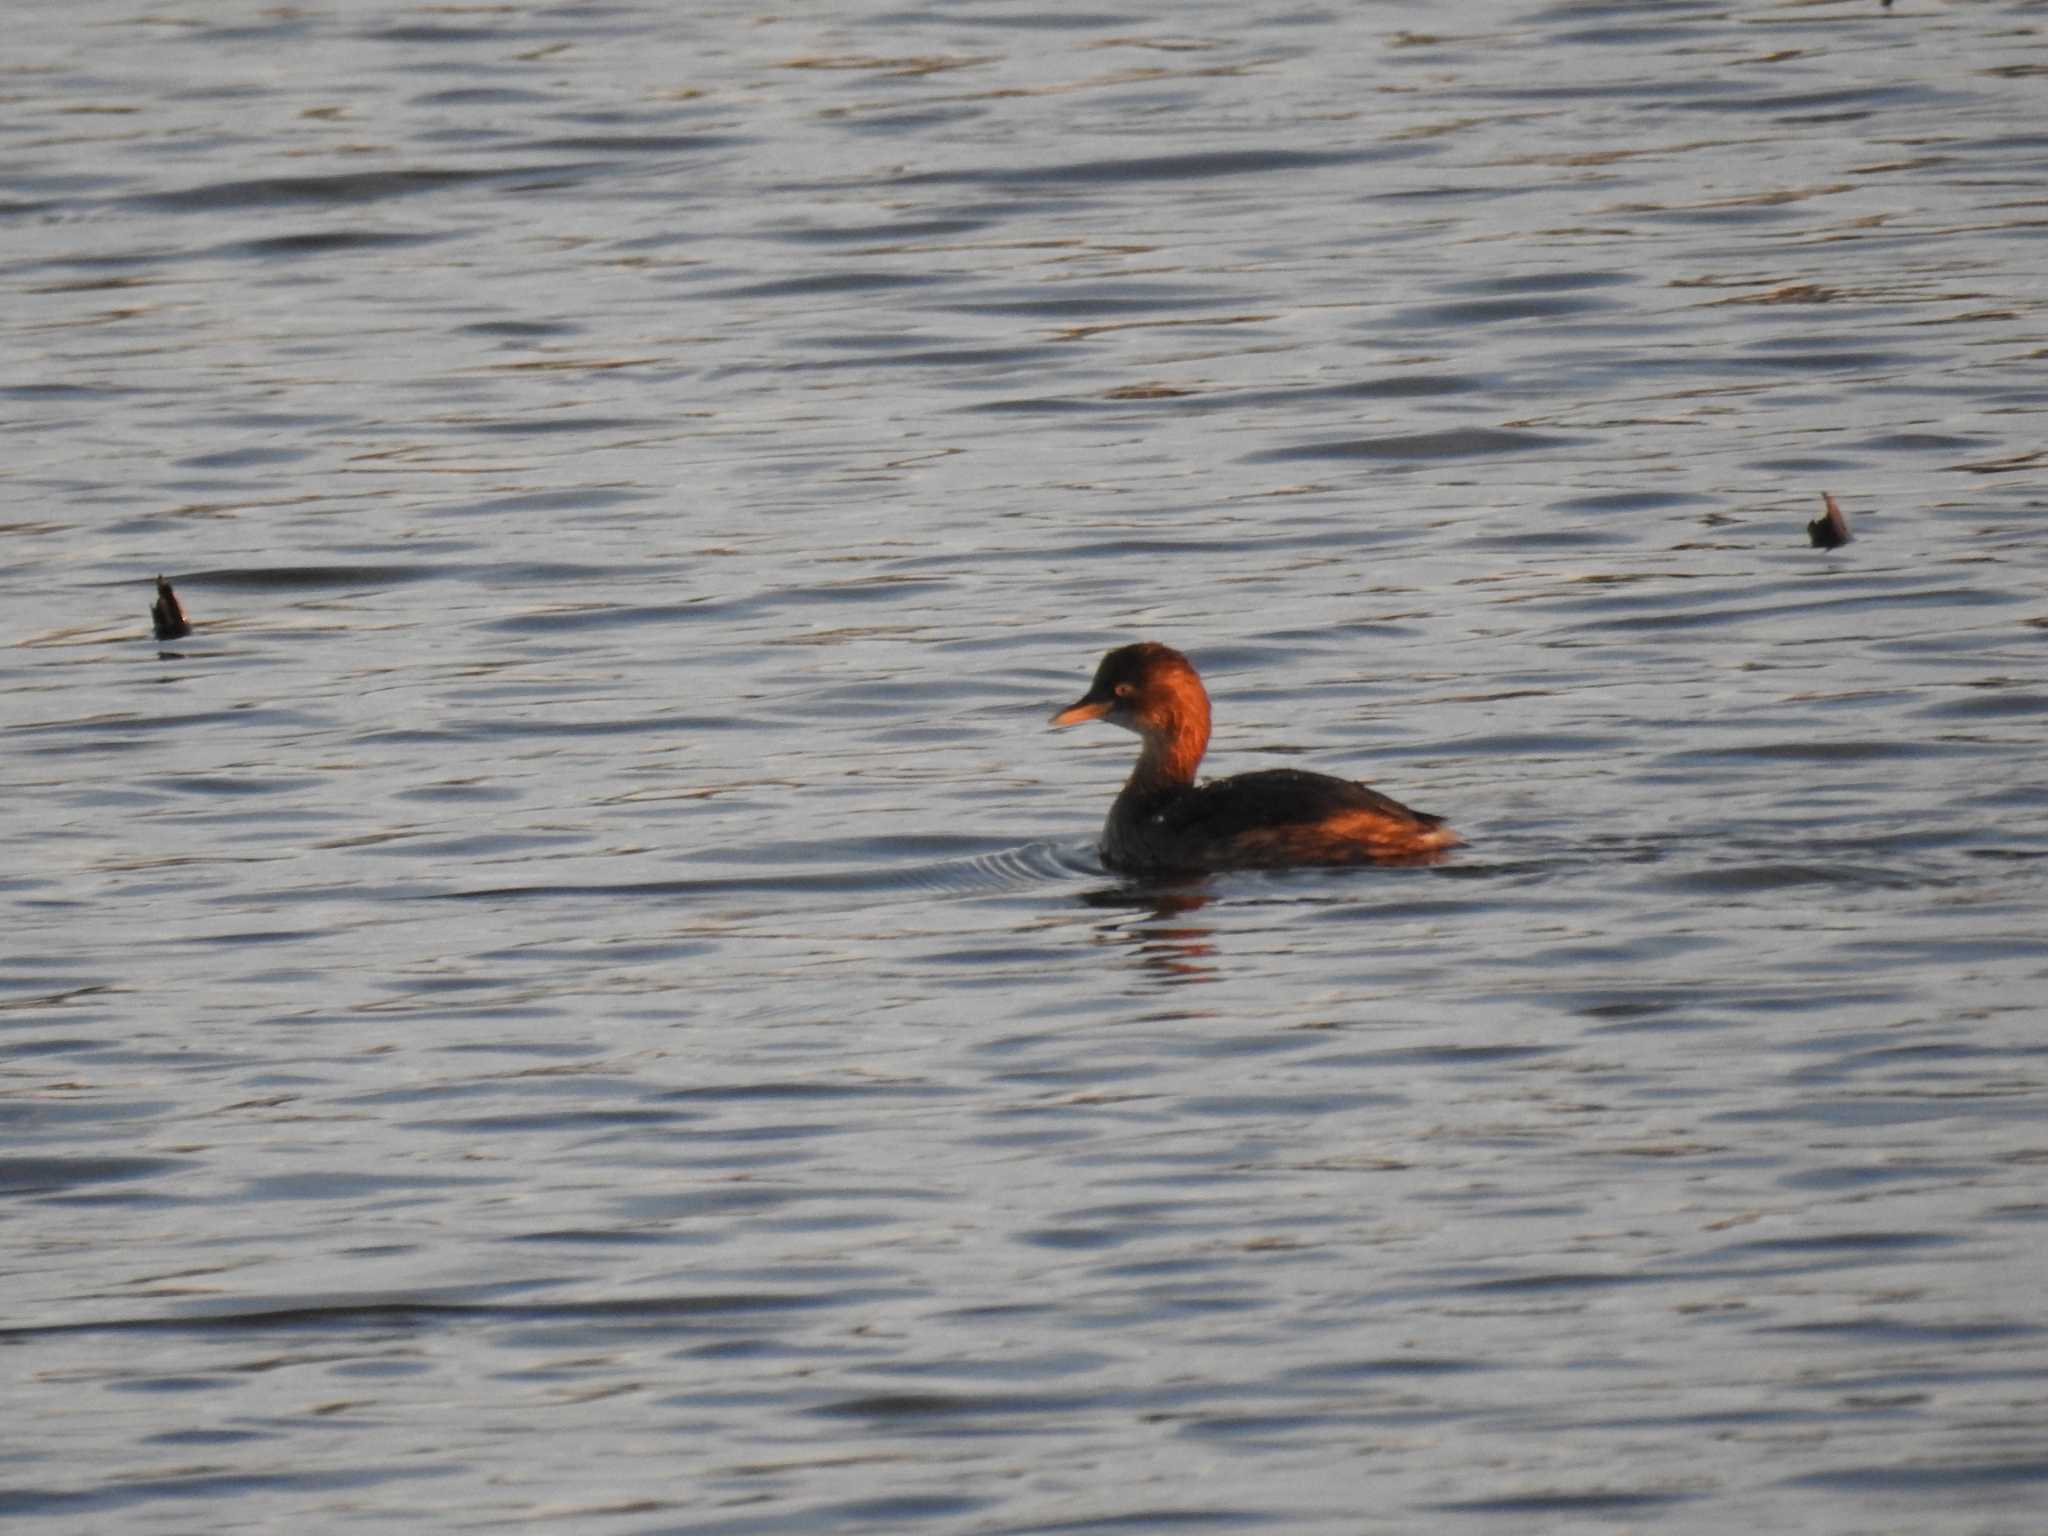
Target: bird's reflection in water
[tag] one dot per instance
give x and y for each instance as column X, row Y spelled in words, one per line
column 1184, row 951
column 1180, row 952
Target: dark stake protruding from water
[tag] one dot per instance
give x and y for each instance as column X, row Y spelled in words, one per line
column 1831, row 529
column 165, row 613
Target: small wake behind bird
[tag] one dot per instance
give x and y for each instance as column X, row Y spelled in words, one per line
column 1023, row 867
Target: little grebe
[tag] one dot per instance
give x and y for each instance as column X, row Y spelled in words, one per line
column 1163, row 820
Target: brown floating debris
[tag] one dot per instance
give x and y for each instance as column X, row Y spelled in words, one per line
column 168, row 617
column 1831, row 529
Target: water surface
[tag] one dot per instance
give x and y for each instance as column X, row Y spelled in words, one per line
column 582, row 996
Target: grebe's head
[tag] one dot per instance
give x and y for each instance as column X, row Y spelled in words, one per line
column 1148, row 688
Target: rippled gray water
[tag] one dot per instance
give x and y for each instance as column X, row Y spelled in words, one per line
column 581, row 996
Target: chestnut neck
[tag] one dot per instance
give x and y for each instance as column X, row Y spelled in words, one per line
column 1175, row 730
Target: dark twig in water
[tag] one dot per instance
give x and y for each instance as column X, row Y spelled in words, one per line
column 1831, row 529
column 165, row 613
